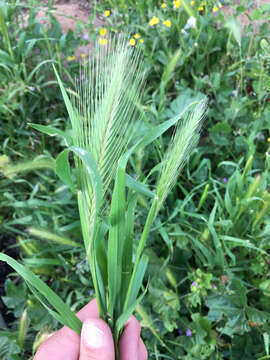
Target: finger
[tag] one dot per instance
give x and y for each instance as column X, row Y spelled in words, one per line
column 129, row 340
column 65, row 343
column 143, row 354
column 90, row 310
column 96, row 341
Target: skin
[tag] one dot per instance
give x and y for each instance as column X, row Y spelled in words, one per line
column 95, row 342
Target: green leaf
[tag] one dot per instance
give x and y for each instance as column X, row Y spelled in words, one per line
column 258, row 316
column 70, row 109
column 62, row 169
column 203, row 330
column 128, row 243
column 50, row 236
column 8, row 346
column 125, row 315
column 52, row 131
column 220, row 127
column 139, row 187
column 101, row 253
column 116, row 236
column 234, row 26
column 138, row 279
column 15, row 297
column 64, row 314
column 231, row 308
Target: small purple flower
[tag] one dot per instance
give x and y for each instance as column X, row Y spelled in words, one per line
column 180, row 332
column 85, row 37
column 224, row 180
column 134, row 176
column 188, row 332
column 214, row 286
column 194, row 283
column 31, row 88
column 91, row 292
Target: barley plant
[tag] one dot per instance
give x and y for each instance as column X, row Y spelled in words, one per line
column 105, row 112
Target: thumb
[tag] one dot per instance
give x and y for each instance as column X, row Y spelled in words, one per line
column 96, row 341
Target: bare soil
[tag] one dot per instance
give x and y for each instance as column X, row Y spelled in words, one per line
column 244, row 18
column 68, row 13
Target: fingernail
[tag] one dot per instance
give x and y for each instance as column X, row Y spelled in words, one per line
column 92, row 336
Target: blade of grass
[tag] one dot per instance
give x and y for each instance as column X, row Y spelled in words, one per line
column 64, row 314
column 116, row 238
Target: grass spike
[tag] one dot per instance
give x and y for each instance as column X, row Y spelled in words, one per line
column 185, row 137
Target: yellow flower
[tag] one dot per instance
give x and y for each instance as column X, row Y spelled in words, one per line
column 268, row 139
column 137, row 36
column 200, row 8
column 154, row 21
column 70, row 58
column 163, row 5
column 83, row 56
column 192, row 3
column 203, row 3
column 167, row 23
column 103, row 31
column 215, row 9
column 141, row 41
column 132, row 42
column 107, row 13
column 102, row 41
column 176, row 3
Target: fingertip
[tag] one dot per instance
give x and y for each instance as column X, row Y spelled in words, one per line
column 142, row 351
column 64, row 343
column 96, row 341
column 90, row 310
column 129, row 340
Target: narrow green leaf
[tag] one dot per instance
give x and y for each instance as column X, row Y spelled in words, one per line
column 64, row 314
column 50, row 236
column 241, row 242
column 36, row 262
column 235, row 27
column 138, row 279
column 62, row 169
column 52, row 131
column 188, row 8
column 208, row 257
column 30, row 76
column 139, row 187
column 125, row 315
column 169, row 69
column 128, row 243
column 101, row 253
column 101, row 278
column 157, row 131
column 70, row 109
column 92, row 169
column 116, row 238
column 35, row 164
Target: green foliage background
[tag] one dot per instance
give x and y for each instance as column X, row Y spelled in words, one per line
column 209, row 284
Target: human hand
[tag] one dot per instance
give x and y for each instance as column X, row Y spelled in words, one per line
column 96, row 341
